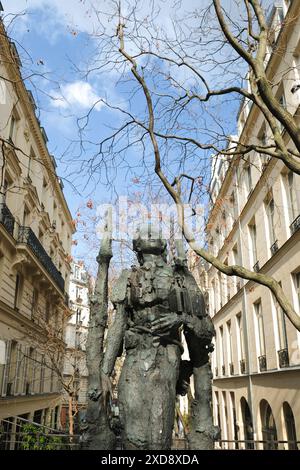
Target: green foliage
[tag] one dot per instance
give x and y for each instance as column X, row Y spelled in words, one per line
column 36, row 438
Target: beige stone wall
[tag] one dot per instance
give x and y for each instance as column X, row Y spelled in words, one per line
column 230, row 239
column 35, row 272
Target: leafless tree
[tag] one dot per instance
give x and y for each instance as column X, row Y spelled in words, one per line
column 179, row 85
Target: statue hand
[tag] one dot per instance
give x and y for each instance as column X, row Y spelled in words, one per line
column 165, row 323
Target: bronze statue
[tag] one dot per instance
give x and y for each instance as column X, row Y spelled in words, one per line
column 155, row 303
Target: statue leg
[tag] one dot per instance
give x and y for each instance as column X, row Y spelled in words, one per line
column 164, row 379
column 133, row 393
column 147, row 392
column 203, row 433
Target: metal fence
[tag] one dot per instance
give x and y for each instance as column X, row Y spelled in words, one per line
column 256, row 445
column 21, row 434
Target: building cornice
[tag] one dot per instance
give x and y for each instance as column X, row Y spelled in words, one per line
column 285, row 370
column 24, row 101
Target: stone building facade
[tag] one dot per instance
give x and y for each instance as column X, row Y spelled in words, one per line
column 35, row 243
column 256, row 362
column 75, row 369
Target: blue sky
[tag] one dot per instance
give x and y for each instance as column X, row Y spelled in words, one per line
column 54, row 39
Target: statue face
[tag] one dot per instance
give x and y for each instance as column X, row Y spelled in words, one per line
column 148, row 241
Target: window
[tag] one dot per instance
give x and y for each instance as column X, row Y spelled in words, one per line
column 229, row 341
column 18, row 291
column 220, row 277
column 26, row 214
column 234, row 419
column 270, row 210
column 248, row 179
column 233, row 202
column 78, row 316
column 282, row 100
column 293, row 196
column 218, row 423
column 77, row 339
column 269, row 430
column 235, row 256
column 78, row 292
column 42, row 374
column 31, row 368
column 253, row 242
column 76, row 272
column 290, row 426
column 263, row 141
column 240, row 338
column 222, row 350
column 226, row 284
column 11, row 365
column 296, row 278
column 225, row 418
column 260, row 328
column 12, row 129
column 247, row 424
column 281, row 325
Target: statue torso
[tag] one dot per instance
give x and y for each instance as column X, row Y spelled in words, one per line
column 149, row 291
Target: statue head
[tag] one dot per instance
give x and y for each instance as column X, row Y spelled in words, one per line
column 148, row 240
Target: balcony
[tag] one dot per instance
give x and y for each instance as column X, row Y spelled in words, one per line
column 243, row 366
column 295, row 225
column 223, row 370
column 27, row 236
column 231, row 368
column 262, row 361
column 283, row 357
column 256, row 267
column 274, row 248
column 7, row 219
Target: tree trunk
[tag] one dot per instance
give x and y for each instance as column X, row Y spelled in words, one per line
column 71, row 418
column 97, row 434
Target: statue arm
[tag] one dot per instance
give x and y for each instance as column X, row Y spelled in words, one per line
column 114, row 340
column 202, row 328
column 117, row 330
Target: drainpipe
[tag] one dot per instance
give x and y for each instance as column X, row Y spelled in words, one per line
column 245, row 321
column 2, row 176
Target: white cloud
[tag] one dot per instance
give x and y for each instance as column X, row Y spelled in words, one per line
column 78, row 94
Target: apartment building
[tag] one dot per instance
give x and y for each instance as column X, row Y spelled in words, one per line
column 35, row 242
column 75, row 369
column 256, row 362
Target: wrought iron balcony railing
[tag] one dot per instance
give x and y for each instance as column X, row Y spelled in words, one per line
column 262, row 360
column 295, row 225
column 7, row 219
column 274, row 248
column 283, row 356
column 27, row 236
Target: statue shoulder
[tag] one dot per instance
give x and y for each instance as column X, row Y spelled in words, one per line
column 119, row 290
